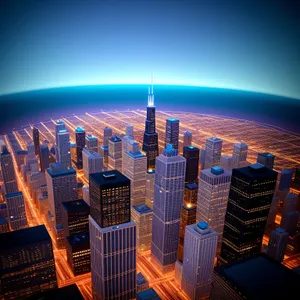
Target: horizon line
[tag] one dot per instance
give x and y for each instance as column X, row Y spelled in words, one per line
column 145, row 84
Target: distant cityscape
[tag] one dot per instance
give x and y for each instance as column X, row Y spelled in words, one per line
column 147, row 204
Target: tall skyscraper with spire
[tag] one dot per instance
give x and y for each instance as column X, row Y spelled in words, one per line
column 150, row 142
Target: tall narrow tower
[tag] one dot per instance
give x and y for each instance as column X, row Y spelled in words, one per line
column 150, row 142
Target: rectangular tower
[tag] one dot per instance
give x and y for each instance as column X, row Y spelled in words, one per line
column 172, row 133
column 44, row 157
column 80, row 144
column 213, row 149
column 91, row 143
column 277, row 244
column 63, row 148
column 191, row 154
column 240, row 152
column 115, row 154
column 266, row 159
column 36, row 140
column 168, row 199
column 250, row 197
column 92, row 163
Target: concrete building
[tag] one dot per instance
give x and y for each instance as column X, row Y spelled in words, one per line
column 191, row 154
column 115, row 154
column 80, row 144
column 92, row 163
column 172, row 133
column 187, row 138
column 91, row 143
column 240, row 152
column 277, row 244
column 213, row 149
column 226, row 162
column 63, row 148
column 266, row 159
column 150, row 178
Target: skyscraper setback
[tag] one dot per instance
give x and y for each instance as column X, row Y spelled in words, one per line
column 150, row 141
column 250, row 198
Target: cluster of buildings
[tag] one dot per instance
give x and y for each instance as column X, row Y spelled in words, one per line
column 193, row 209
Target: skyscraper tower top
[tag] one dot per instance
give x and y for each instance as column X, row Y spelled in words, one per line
column 151, row 94
column 170, row 151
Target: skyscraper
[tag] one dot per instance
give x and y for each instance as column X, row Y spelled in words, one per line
column 226, row 162
column 80, row 144
column 8, row 171
column 129, row 131
column 190, row 194
column 36, row 140
column 213, row 191
column 266, row 159
column 59, row 125
column 92, row 163
column 115, row 154
column 285, row 182
column 150, row 141
column 187, row 138
column 277, row 244
column 27, row 263
column 191, row 154
column 110, row 221
column 16, row 211
column 213, row 149
column 250, row 196
column 198, row 263
column 63, row 148
column 91, row 143
column 240, row 152
column 168, row 199
column 44, row 157
column 172, row 133
column 135, row 167
column 61, row 184
column 150, row 178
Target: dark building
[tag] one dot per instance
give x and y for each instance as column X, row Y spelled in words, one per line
column 149, row 294
column 191, row 193
column 296, row 181
column 172, row 133
column 79, row 253
column 191, row 154
column 109, row 198
column 250, row 198
column 266, row 159
column 255, row 278
column 67, row 292
column 26, row 263
column 36, row 140
column 187, row 217
column 44, row 157
column 80, row 144
column 75, row 217
column 285, row 182
column 150, row 141
column 4, row 227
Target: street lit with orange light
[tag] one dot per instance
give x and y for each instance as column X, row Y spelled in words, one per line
column 259, row 137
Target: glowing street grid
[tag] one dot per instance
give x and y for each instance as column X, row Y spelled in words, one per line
column 259, row 137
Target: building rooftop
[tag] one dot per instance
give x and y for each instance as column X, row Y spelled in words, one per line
column 3, row 221
column 115, row 139
column 90, row 137
column 266, row 154
column 16, row 194
column 217, row 170
column 202, row 225
column 22, row 152
column 142, row 209
column 79, row 130
column 214, row 139
column 140, row 279
column 135, row 154
column 58, row 169
column 151, row 171
column 80, row 238
column 260, row 278
column 23, row 237
column 172, row 120
column 170, row 151
column 191, row 186
column 256, row 171
column 67, row 292
column 109, row 178
column 76, row 206
column 149, row 294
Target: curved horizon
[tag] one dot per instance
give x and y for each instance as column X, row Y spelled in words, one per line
column 146, row 85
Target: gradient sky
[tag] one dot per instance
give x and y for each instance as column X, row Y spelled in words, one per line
column 249, row 45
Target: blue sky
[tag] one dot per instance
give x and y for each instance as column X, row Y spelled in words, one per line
column 248, row 45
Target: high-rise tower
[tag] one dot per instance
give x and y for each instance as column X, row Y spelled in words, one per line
column 172, row 132
column 80, row 144
column 150, row 142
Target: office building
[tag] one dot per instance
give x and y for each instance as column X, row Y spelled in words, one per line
column 213, row 191
column 134, row 167
column 190, row 194
column 109, row 198
column 27, row 263
column 277, row 244
column 63, row 148
column 79, row 252
column 168, row 199
column 290, row 203
column 61, row 184
column 150, row 178
column 119, row 281
column 115, row 154
column 20, row 158
column 142, row 217
column 129, row 131
column 187, row 138
column 150, row 140
column 60, row 125
column 34, row 181
column 285, row 179
column 107, row 135
column 16, row 211
column 91, row 143
column 92, row 163
column 80, row 144
column 36, row 140
column 240, row 152
column 141, row 283
column 250, row 196
column 202, row 158
column 226, row 162
column 86, row 194
column 75, row 217
column 172, row 133
column 31, row 161
column 213, row 149
column 149, row 294
column 4, row 226
column 191, row 154
column 259, row 277
column 199, row 253
column 289, row 222
column 44, row 157
column 266, row 159
column 8, row 171
column 273, row 211
column 187, row 217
